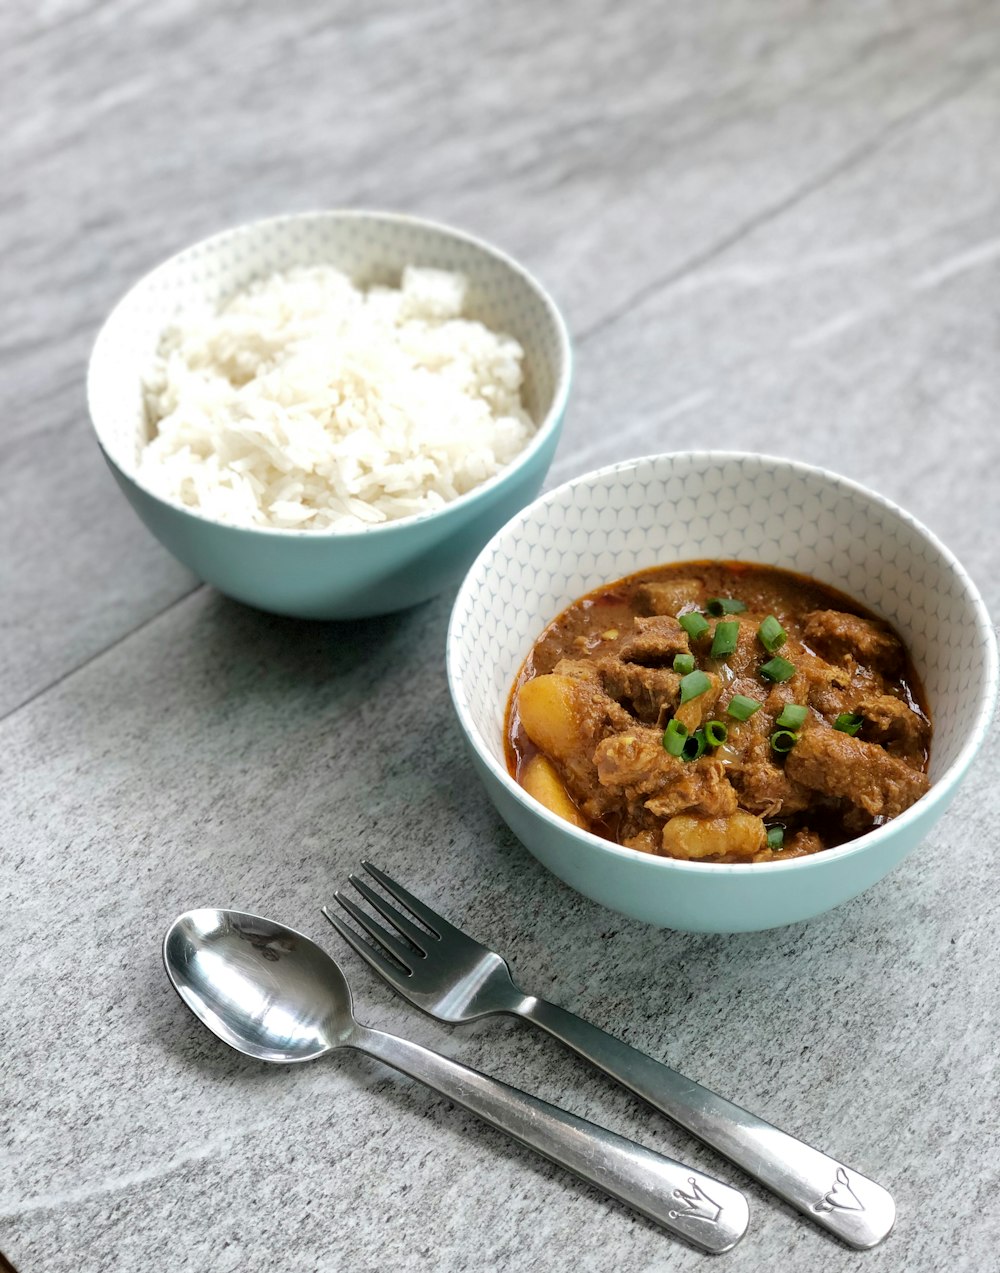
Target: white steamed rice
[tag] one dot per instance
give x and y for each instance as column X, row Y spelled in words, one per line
column 307, row 403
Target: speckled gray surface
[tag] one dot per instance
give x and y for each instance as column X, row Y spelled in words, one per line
column 771, row 226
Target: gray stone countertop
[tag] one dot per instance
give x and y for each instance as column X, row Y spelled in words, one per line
column 772, row 226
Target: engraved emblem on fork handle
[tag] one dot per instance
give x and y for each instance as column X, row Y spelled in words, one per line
column 698, row 1205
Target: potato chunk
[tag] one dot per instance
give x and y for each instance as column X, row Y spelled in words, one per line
column 539, row 779
column 550, row 712
column 739, row 835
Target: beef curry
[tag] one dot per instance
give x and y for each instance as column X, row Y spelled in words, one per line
column 720, row 712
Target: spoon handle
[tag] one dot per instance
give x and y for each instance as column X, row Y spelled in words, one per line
column 686, row 1202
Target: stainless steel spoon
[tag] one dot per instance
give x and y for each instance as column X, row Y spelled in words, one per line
column 273, row 994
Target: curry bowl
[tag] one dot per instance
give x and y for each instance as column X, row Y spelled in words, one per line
column 753, row 508
column 329, row 573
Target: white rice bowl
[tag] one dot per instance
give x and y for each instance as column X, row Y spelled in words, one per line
column 306, row 403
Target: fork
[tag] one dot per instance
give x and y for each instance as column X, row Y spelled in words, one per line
column 454, row 978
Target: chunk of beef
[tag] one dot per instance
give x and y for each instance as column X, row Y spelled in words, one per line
column 762, row 785
column 832, row 688
column 650, row 693
column 822, row 685
column 747, row 656
column 888, row 720
column 847, row 768
column 766, row 789
column 838, row 636
column 667, row 598
column 653, row 642
column 644, row 841
column 856, row 821
column 748, row 686
column 636, row 821
column 633, row 762
column 801, row 844
column 702, row 788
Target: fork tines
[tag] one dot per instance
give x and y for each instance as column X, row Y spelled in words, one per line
column 402, row 952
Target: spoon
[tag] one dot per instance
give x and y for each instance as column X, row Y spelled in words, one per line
column 271, row 993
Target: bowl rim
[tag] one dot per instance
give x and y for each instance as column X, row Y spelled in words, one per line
column 940, row 791
column 549, row 424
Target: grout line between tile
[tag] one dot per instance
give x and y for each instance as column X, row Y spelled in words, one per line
column 850, row 161
column 98, row 654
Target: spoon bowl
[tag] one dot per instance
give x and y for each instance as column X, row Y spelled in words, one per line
column 264, row 989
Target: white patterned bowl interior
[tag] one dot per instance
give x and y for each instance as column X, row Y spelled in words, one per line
column 329, row 573
column 690, row 506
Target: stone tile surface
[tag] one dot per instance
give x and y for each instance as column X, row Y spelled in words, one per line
column 772, row 227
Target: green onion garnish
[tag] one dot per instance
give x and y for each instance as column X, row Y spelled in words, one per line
column 693, row 684
column 741, row 707
column 849, row 723
column 694, row 624
column 772, row 634
column 778, row 669
column 683, row 663
column 792, row 716
column 674, row 737
column 783, row 740
column 716, row 733
column 775, row 837
column 695, row 745
column 725, row 605
column 725, row 638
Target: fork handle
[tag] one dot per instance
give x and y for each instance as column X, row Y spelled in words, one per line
column 838, row 1199
column 689, row 1204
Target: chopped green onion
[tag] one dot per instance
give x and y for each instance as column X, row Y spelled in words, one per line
column 849, row 723
column 783, row 740
column 683, row 663
column 725, row 638
column 695, row 745
column 775, row 837
column 792, row 716
column 716, row 733
column 694, row 624
column 772, row 635
column 778, row 669
column 725, row 605
column 693, row 684
column 674, row 737
column 741, row 707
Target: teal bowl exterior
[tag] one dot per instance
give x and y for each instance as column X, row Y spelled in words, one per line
column 329, row 574
column 316, row 575
column 700, row 898
column 646, row 512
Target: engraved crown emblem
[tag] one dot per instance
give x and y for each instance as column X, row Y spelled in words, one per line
column 841, row 1197
column 697, row 1204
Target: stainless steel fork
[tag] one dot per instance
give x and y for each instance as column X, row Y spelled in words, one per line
column 454, row 978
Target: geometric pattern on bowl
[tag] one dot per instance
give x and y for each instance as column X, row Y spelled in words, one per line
column 746, row 507
column 370, row 247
